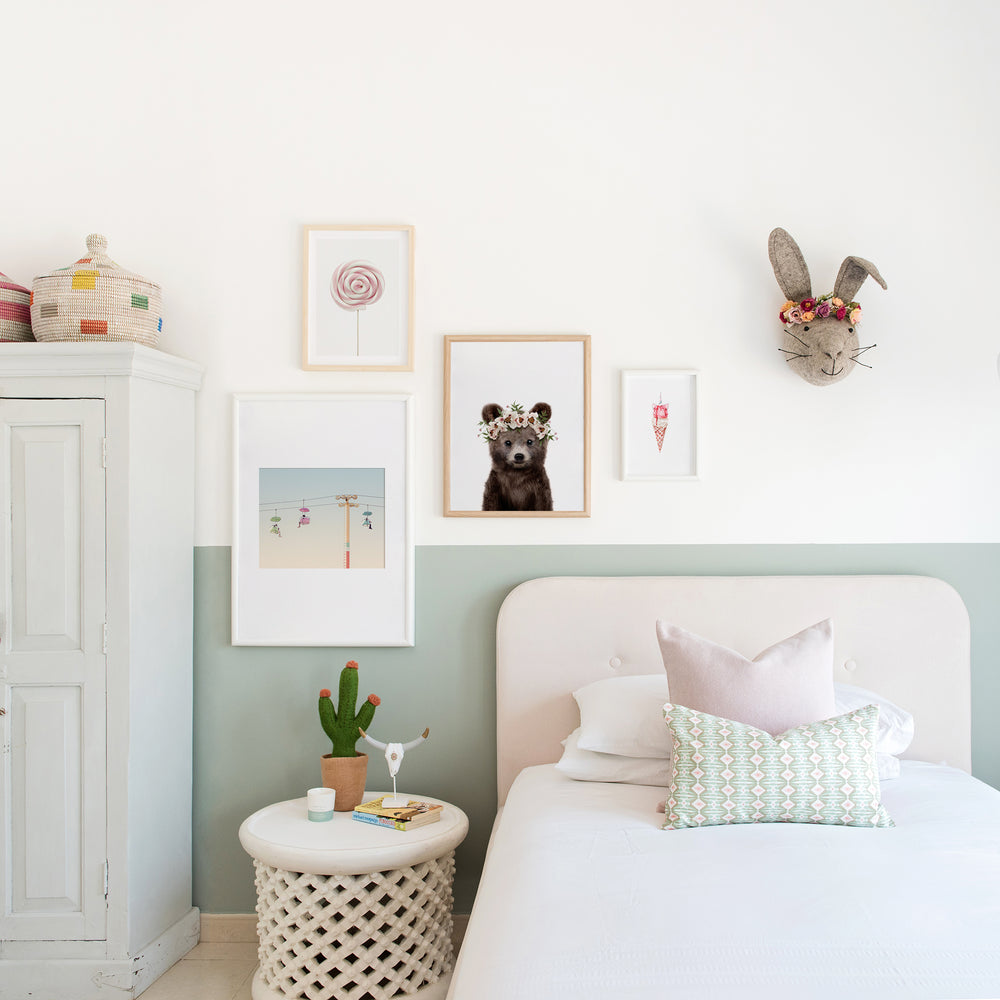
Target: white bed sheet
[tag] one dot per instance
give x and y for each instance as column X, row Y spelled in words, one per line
column 584, row 896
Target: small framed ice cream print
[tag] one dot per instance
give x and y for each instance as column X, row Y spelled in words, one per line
column 659, row 424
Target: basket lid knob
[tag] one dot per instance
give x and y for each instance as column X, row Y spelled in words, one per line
column 97, row 244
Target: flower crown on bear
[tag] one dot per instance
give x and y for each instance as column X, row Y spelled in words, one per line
column 826, row 306
column 514, row 418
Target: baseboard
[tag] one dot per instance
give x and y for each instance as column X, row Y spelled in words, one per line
column 93, row 978
column 168, row 948
column 233, row 928
column 458, row 932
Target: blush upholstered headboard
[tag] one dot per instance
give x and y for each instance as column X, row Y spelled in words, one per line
column 906, row 637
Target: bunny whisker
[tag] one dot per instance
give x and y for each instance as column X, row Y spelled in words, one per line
column 799, row 339
column 793, row 354
column 861, row 350
column 863, row 365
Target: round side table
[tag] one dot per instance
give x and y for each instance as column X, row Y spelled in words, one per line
column 351, row 911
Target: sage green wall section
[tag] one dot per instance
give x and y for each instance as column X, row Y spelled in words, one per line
column 257, row 737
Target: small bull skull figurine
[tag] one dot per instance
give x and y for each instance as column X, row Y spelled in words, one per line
column 394, row 758
column 821, row 339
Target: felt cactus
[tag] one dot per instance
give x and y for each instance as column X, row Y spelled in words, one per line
column 340, row 722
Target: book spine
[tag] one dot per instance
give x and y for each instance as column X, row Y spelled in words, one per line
column 379, row 821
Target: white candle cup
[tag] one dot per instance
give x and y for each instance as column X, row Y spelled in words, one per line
column 320, row 804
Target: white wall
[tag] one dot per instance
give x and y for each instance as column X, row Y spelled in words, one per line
column 569, row 167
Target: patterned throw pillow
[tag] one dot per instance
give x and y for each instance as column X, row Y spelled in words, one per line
column 729, row 772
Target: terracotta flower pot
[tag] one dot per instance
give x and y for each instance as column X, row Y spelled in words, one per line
column 347, row 775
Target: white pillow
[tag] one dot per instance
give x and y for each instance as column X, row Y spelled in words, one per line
column 585, row 765
column 895, row 725
column 888, row 766
column 624, row 716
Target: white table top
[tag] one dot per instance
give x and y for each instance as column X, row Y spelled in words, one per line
column 280, row 835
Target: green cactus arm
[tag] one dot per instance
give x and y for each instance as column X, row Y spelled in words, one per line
column 367, row 713
column 328, row 716
column 348, row 690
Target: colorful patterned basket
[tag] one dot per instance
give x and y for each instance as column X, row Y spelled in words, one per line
column 95, row 299
column 15, row 314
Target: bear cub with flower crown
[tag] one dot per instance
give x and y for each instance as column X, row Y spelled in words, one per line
column 518, row 442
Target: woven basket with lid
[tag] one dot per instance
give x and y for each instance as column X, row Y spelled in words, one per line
column 95, row 299
column 15, row 313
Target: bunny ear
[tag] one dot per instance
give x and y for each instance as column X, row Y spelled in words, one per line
column 852, row 275
column 789, row 266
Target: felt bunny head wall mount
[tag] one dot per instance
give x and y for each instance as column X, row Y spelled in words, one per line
column 821, row 334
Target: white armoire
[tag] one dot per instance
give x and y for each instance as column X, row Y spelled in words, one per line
column 96, row 546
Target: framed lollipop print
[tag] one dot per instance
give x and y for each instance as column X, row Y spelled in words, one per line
column 659, row 424
column 358, row 298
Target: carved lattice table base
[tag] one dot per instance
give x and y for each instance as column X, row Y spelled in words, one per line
column 373, row 936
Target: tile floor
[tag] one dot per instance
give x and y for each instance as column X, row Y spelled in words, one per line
column 212, row 970
column 222, row 970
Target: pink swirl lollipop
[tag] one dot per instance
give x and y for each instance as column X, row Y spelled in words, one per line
column 356, row 284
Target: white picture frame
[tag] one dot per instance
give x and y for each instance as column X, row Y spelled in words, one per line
column 357, row 299
column 659, row 424
column 313, row 573
column 522, row 369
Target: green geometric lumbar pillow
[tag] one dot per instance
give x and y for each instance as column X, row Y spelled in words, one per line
column 729, row 772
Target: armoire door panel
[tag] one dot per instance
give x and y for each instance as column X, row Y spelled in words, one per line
column 53, row 791
column 46, row 522
column 46, row 835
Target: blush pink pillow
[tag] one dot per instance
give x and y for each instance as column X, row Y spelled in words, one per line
column 788, row 685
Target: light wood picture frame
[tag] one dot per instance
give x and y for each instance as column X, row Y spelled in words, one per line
column 323, row 551
column 357, row 298
column 659, row 424
column 515, row 372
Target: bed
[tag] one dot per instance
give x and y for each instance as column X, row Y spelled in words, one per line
column 584, row 895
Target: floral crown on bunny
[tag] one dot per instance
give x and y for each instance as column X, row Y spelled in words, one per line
column 826, row 306
column 514, row 418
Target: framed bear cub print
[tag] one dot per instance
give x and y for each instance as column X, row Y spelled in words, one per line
column 517, row 426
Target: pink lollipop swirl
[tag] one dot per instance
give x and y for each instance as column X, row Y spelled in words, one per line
column 356, row 284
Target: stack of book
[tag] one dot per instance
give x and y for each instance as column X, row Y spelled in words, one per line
column 415, row 813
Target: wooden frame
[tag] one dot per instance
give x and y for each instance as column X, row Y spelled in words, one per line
column 659, row 424
column 357, row 298
column 524, row 370
column 333, row 564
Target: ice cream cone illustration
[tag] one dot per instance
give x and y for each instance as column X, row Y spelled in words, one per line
column 660, row 421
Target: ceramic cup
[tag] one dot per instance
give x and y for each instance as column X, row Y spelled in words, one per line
column 320, row 803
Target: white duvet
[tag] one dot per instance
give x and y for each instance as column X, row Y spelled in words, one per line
column 584, row 896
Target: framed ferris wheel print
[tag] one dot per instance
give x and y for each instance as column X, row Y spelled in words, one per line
column 322, row 520
column 357, row 299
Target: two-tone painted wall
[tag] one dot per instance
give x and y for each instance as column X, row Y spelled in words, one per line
column 568, row 169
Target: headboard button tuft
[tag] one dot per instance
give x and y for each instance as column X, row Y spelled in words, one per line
column 615, row 662
column 850, row 666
